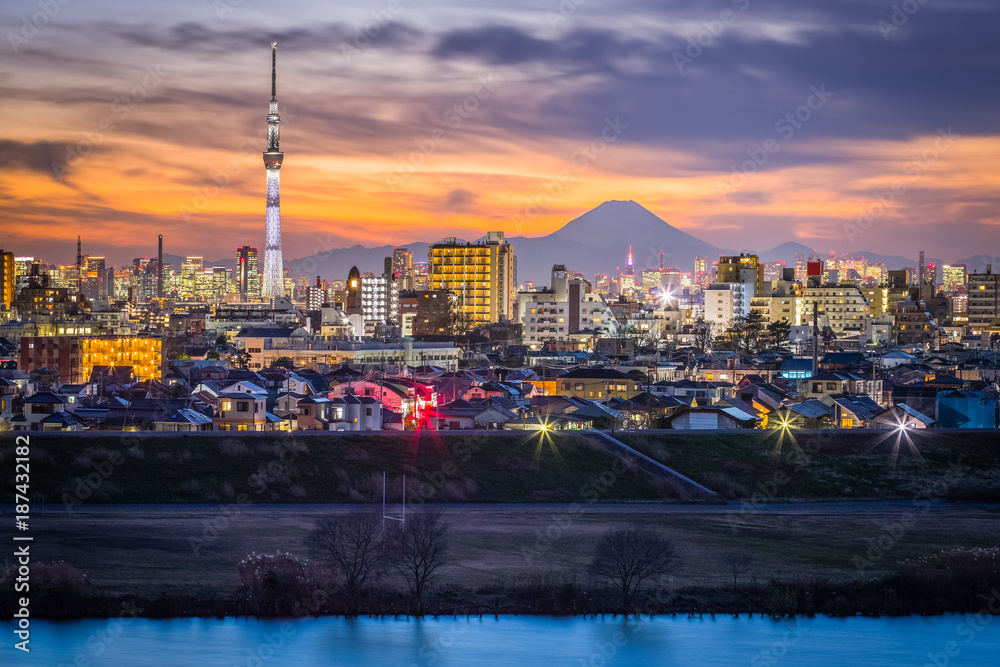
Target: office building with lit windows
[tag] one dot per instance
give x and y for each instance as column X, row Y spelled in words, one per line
column 983, row 300
column 842, row 308
column 481, row 275
column 953, row 278
column 7, row 273
column 143, row 355
column 247, row 275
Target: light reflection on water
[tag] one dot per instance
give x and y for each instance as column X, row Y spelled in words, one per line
column 520, row 640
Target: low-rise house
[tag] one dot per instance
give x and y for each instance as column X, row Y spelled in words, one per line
column 579, row 410
column 902, row 416
column 241, row 411
column 702, row 391
column 757, row 410
column 896, row 358
column 185, row 420
column 839, row 383
column 946, row 383
column 811, row 413
column 395, row 395
column 967, row 409
column 462, row 414
column 646, row 410
column 560, row 423
column 713, row 418
column 8, row 390
column 836, row 361
column 921, row 398
column 494, row 388
column 598, row 383
column 852, row 410
column 311, row 413
column 45, row 411
column 355, row 413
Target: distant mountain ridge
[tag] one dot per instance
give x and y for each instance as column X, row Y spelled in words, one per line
column 597, row 242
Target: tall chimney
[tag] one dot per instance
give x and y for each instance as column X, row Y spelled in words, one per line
column 79, row 265
column 159, row 269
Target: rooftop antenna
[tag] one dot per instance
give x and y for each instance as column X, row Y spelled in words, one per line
column 274, row 67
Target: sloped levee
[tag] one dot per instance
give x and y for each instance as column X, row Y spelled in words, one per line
column 687, row 488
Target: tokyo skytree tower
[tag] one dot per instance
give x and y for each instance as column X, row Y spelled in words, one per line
column 273, row 283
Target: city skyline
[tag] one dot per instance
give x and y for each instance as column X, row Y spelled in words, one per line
column 586, row 332
column 842, row 132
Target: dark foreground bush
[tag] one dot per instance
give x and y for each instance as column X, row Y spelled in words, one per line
column 55, row 589
column 272, row 584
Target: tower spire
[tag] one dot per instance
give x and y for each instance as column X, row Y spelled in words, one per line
column 273, row 284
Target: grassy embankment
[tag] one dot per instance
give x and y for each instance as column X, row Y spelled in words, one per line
column 506, row 467
column 833, row 465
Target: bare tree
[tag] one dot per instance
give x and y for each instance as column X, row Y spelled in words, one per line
column 704, row 334
column 626, row 557
column 356, row 547
column 737, row 561
column 421, row 545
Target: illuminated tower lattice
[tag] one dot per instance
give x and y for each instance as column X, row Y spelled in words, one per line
column 273, row 282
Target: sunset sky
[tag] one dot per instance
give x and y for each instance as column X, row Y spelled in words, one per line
column 376, row 153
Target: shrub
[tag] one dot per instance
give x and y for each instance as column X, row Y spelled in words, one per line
column 272, row 585
column 57, row 589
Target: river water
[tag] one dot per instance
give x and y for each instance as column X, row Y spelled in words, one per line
column 939, row 641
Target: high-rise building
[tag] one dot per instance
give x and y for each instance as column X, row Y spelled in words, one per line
column 773, row 271
column 626, row 280
column 352, row 305
column 421, row 276
column 190, row 270
column 843, row 308
column 274, row 283
column 379, row 296
column 427, row 313
column 744, row 268
column 402, row 268
column 725, row 302
column 247, row 276
column 481, row 275
column 316, row 295
column 7, row 275
column 289, row 283
column 566, row 307
column 143, row 281
column 984, row 299
column 701, row 276
column 93, row 279
column 143, row 355
column 221, row 281
column 953, row 278
column 651, row 280
column 670, row 281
